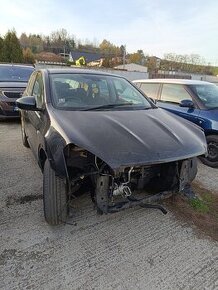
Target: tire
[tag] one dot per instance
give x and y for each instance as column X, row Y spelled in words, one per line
column 212, row 158
column 54, row 197
column 24, row 137
column 193, row 169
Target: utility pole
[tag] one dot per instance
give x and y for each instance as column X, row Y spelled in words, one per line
column 124, row 56
column 64, row 48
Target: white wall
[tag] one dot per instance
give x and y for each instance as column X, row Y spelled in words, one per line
column 207, row 78
column 130, row 75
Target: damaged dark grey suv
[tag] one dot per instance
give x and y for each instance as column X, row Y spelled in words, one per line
column 92, row 128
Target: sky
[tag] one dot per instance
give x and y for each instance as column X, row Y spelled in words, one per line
column 155, row 26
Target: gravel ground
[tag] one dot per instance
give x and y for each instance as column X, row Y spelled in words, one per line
column 207, row 177
column 133, row 249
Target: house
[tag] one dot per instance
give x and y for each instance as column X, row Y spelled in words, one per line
column 91, row 59
column 48, row 57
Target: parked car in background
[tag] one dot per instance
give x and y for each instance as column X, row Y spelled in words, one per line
column 85, row 126
column 196, row 101
column 13, row 81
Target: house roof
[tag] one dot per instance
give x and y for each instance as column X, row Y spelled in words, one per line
column 48, row 56
column 87, row 55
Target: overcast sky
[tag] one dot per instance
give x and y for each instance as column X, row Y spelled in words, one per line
column 155, row 26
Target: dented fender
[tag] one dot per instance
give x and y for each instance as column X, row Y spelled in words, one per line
column 55, row 145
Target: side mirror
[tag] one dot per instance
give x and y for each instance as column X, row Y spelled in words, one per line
column 27, row 103
column 187, row 104
column 153, row 100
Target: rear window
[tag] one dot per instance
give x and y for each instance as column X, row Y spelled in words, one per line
column 15, row 73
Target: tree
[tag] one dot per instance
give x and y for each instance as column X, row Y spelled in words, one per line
column 109, row 48
column 46, row 43
column 11, row 50
column 107, row 62
column 137, row 57
column 59, row 41
column 24, row 40
column 35, row 43
column 28, row 56
column 1, row 47
column 189, row 63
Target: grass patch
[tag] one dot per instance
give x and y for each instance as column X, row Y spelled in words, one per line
column 201, row 211
column 199, row 205
column 207, row 197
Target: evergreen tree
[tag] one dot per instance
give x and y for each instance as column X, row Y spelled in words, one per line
column 11, row 51
column 1, row 46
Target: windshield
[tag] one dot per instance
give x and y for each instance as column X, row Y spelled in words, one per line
column 208, row 94
column 15, row 73
column 89, row 91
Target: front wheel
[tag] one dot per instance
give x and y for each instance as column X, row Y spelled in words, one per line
column 54, row 197
column 212, row 146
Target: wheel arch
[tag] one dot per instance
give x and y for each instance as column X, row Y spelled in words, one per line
column 42, row 156
column 210, row 132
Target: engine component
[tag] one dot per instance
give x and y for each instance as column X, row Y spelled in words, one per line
column 123, row 190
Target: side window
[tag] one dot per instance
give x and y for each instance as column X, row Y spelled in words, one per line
column 151, row 90
column 103, row 87
column 137, row 84
column 119, row 86
column 29, row 88
column 38, row 91
column 174, row 93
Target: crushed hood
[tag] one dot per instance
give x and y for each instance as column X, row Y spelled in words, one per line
column 124, row 138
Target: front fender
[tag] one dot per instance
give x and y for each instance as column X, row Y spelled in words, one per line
column 55, row 145
column 188, row 173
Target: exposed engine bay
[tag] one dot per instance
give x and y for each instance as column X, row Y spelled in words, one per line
column 116, row 189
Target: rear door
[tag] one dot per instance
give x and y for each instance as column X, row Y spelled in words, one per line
column 170, row 97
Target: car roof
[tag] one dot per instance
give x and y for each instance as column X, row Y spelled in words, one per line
column 17, row 65
column 77, row 71
column 172, row 81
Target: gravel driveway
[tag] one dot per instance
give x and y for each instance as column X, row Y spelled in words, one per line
column 208, row 178
column 134, row 249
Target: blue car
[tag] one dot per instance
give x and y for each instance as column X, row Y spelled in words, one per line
column 196, row 101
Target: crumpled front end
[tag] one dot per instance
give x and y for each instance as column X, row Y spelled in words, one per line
column 117, row 155
column 116, row 189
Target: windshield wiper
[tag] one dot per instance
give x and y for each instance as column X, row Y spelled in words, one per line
column 108, row 106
